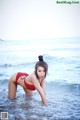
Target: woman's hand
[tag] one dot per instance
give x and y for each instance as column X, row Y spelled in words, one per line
column 40, row 90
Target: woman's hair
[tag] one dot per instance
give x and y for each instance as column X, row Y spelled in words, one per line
column 41, row 63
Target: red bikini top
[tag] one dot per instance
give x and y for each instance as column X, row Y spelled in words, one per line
column 30, row 87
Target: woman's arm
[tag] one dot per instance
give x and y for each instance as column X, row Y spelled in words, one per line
column 40, row 90
column 43, row 86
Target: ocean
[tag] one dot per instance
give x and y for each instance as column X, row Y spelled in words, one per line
column 62, row 81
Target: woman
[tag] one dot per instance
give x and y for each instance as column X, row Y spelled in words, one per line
column 35, row 81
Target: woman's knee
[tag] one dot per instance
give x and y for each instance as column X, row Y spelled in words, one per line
column 11, row 97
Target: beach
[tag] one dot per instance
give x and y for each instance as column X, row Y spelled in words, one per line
column 62, row 82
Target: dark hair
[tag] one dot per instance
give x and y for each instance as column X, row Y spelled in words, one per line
column 41, row 63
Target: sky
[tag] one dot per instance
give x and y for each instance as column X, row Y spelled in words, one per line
column 38, row 19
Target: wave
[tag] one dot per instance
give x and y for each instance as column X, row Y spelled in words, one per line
column 64, row 87
column 54, row 86
column 52, row 58
column 15, row 65
column 6, row 65
column 1, row 74
column 47, row 58
column 68, row 49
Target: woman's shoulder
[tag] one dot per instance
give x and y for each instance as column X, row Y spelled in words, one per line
column 33, row 75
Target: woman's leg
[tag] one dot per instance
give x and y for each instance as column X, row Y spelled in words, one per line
column 28, row 92
column 12, row 87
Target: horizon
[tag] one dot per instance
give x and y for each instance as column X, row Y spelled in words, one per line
column 56, row 38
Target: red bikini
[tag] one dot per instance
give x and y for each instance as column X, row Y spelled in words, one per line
column 19, row 74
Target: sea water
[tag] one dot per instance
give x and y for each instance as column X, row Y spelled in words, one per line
column 62, row 81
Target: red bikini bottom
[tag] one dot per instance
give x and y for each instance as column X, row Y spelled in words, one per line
column 28, row 86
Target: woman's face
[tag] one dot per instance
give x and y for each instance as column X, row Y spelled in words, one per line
column 41, row 72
